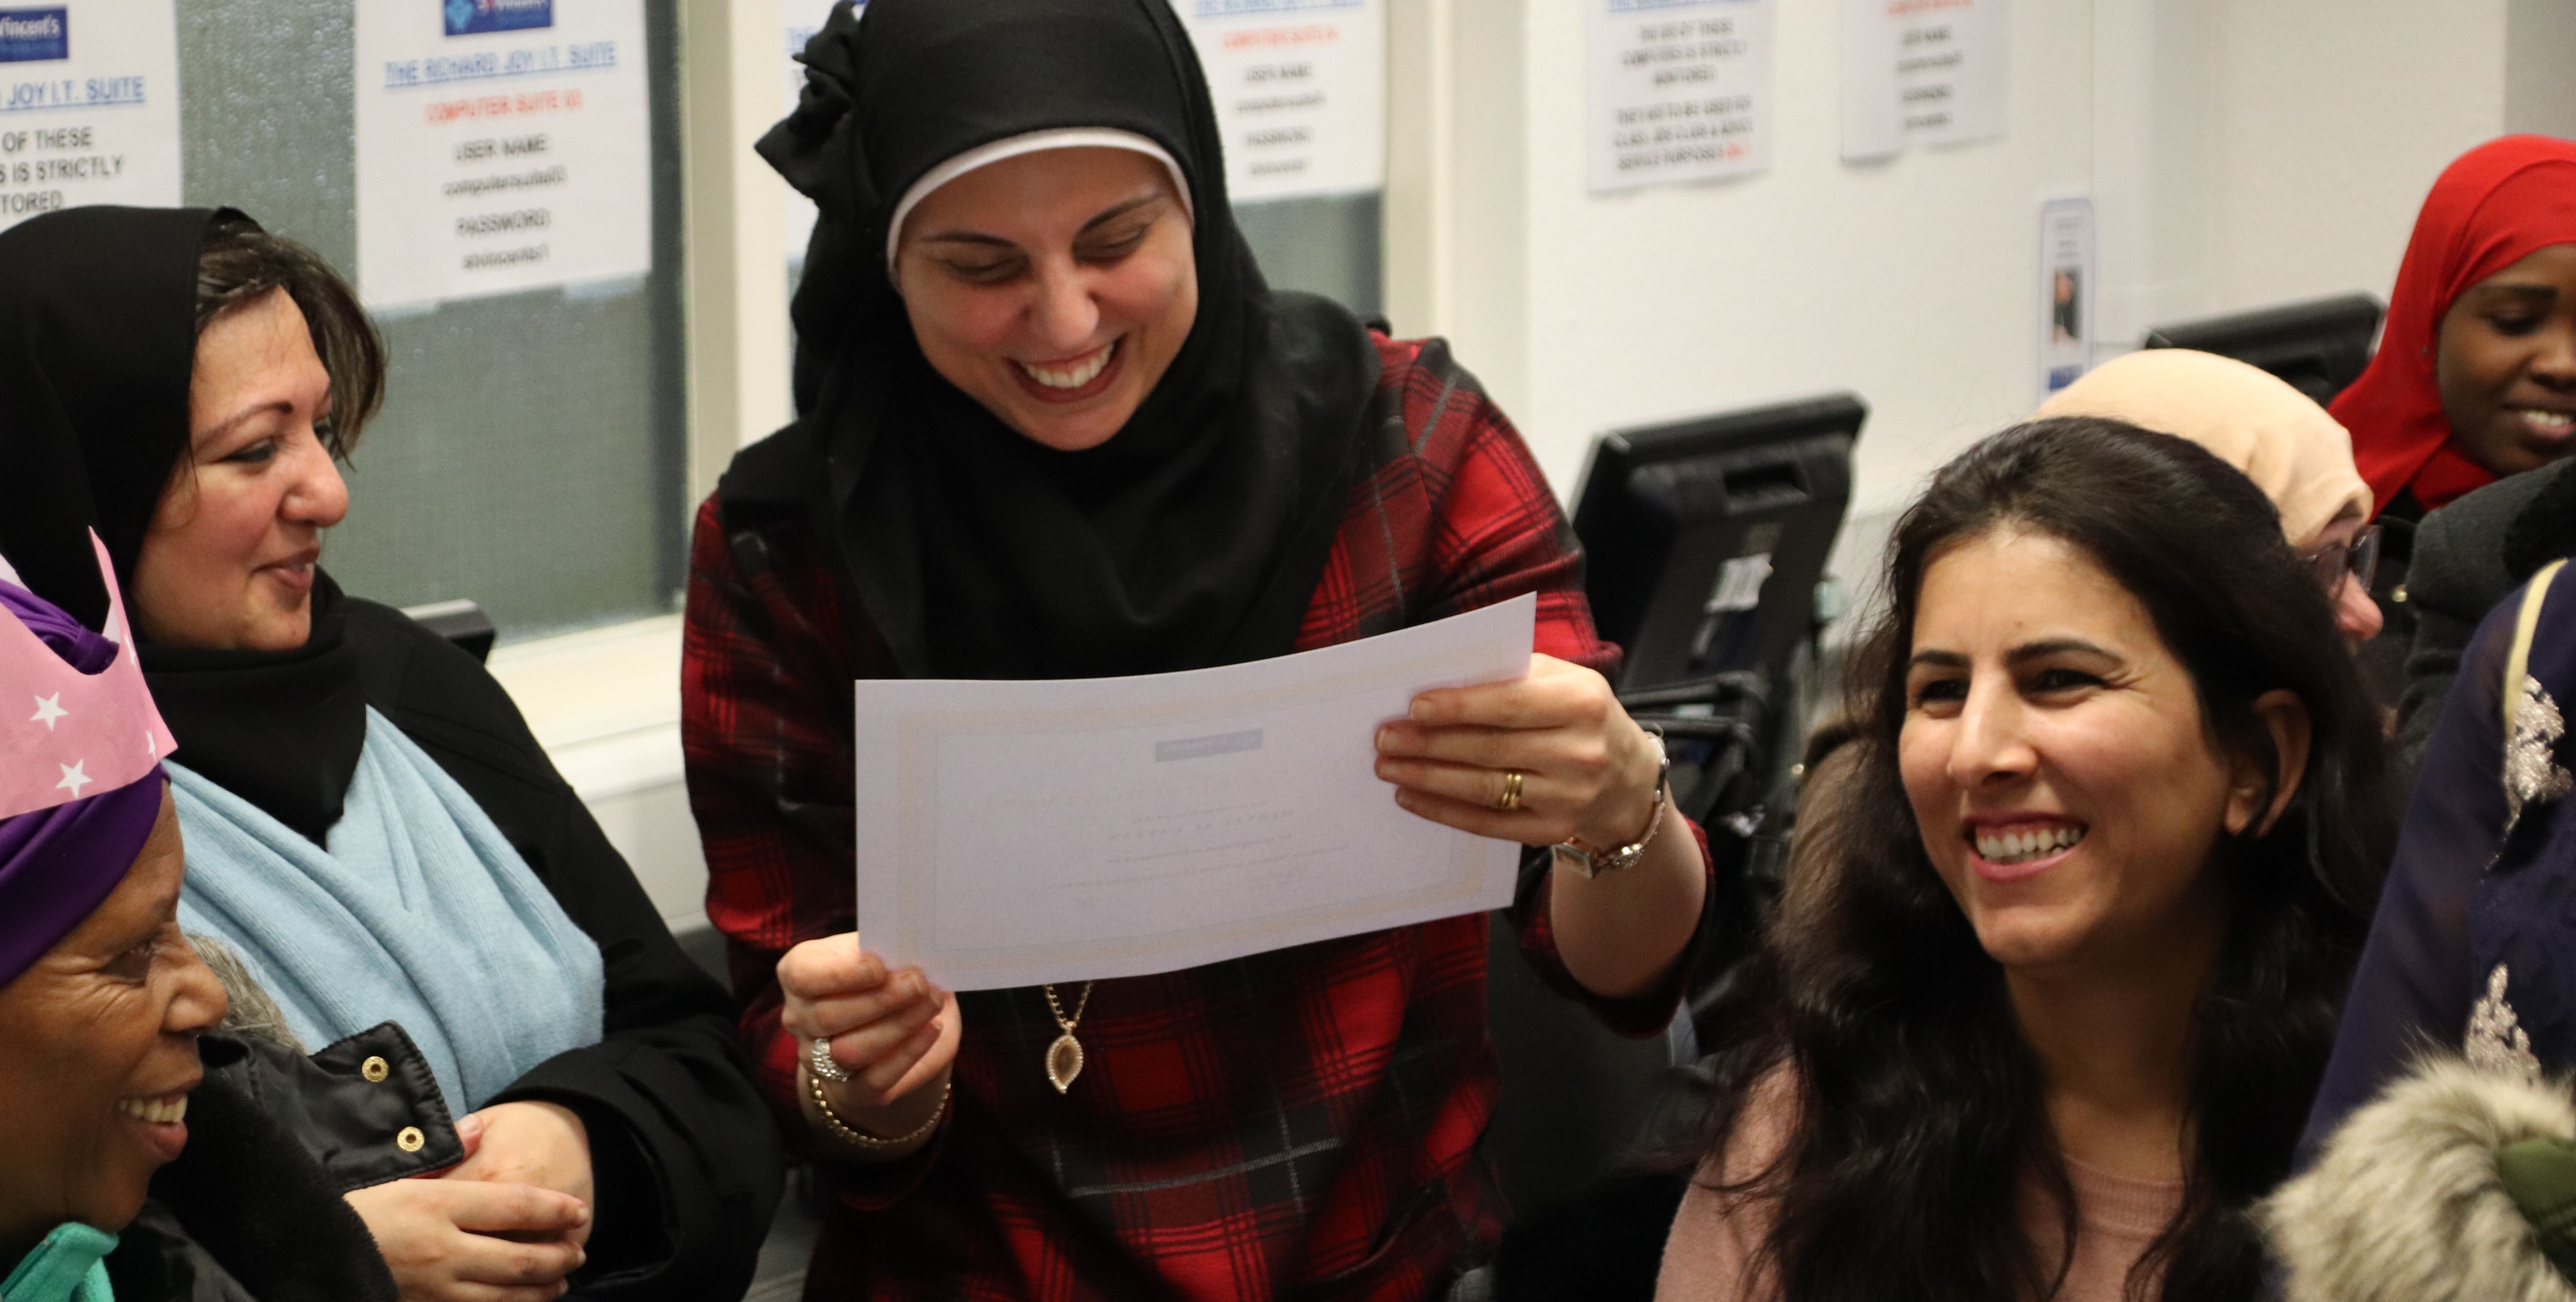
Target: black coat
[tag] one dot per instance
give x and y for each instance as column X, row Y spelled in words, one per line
column 253, row 1211
column 2383, row 658
column 686, row 1157
column 2468, row 556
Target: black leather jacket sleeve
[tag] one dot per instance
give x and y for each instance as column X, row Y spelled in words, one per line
column 252, row 1210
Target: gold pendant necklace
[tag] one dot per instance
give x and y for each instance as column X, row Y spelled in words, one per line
column 1064, row 1057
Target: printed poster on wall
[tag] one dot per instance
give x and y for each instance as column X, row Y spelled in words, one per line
column 1680, row 90
column 503, row 145
column 803, row 18
column 1928, row 72
column 2068, row 284
column 1300, row 93
column 90, row 108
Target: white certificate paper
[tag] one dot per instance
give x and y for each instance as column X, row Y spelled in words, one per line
column 1013, row 833
column 503, row 145
column 89, row 106
column 1680, row 90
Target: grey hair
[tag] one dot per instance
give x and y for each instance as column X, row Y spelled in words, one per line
column 254, row 1015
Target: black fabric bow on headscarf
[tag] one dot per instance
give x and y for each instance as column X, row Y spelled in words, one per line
column 98, row 339
column 1193, row 537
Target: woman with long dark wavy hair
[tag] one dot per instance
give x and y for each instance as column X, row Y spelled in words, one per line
column 2052, row 1021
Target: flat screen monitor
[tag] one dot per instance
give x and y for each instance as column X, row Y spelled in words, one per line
column 2320, row 347
column 1704, row 538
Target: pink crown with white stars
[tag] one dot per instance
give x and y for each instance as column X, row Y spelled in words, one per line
column 67, row 734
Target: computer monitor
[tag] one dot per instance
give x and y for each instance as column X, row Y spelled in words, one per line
column 1704, row 538
column 2320, row 347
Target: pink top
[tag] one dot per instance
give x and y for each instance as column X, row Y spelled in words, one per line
column 1716, row 1237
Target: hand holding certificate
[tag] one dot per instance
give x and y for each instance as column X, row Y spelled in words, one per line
column 1037, row 832
column 1017, row 833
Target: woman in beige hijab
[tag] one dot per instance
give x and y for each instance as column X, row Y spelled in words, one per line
column 2296, row 453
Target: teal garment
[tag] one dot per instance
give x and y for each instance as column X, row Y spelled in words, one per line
column 418, row 911
column 69, row 1266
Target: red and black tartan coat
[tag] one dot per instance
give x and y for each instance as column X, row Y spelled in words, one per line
column 1300, row 1123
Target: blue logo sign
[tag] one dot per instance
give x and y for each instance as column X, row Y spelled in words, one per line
column 31, row 34
column 467, row 17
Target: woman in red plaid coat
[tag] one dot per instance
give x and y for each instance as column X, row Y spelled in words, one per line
column 1053, row 424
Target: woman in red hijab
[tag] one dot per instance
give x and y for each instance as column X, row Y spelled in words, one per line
column 2475, row 378
column 2476, row 373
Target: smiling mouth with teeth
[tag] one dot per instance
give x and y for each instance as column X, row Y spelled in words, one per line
column 2548, row 422
column 168, row 1110
column 1071, row 375
column 2007, row 846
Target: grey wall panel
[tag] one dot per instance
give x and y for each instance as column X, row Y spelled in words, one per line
column 1330, row 246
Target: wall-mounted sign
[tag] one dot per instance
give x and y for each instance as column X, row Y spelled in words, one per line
column 502, row 145
column 1923, row 72
column 2067, row 287
column 1679, row 90
column 89, row 106
column 1300, row 92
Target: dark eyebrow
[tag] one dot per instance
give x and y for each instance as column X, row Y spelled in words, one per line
column 2017, row 656
column 2540, row 293
column 1112, row 213
column 2055, row 646
column 225, row 426
column 1116, row 211
column 968, row 237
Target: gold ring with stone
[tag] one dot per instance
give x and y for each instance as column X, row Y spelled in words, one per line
column 1512, row 779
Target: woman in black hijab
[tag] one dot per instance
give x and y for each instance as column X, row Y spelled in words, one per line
column 369, row 823
column 1054, row 424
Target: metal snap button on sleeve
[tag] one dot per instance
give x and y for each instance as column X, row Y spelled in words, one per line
column 375, row 1070
column 409, row 1139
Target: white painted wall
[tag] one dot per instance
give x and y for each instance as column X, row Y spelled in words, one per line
column 2335, row 116
column 2240, row 153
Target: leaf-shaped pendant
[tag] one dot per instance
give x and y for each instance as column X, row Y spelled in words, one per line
column 1064, row 1061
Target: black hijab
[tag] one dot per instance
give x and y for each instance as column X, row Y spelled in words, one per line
column 98, row 338
column 1193, row 537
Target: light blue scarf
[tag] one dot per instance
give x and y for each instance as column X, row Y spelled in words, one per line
column 419, row 912
column 68, row 1266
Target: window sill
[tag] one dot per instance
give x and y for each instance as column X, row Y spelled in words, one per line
column 605, row 703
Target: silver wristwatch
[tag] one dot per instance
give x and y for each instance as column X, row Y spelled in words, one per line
column 1587, row 862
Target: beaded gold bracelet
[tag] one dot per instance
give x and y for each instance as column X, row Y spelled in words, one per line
column 852, row 1135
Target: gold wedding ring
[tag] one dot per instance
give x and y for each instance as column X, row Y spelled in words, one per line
column 1512, row 779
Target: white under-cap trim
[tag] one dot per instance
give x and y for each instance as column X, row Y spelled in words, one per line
column 1031, row 143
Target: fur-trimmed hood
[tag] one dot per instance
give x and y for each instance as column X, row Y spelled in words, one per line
column 2404, row 1204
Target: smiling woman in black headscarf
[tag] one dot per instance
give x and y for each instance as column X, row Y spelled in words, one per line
column 1054, row 424
column 369, row 824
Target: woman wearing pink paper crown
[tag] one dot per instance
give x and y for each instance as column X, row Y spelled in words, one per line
column 146, row 1157
column 370, row 825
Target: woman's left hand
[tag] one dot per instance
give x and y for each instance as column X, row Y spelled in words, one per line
column 1587, row 770
column 531, row 1142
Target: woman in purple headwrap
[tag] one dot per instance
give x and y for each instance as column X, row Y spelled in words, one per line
column 101, row 1001
column 106, row 1009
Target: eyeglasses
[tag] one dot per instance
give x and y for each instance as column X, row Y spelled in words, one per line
column 2358, row 558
